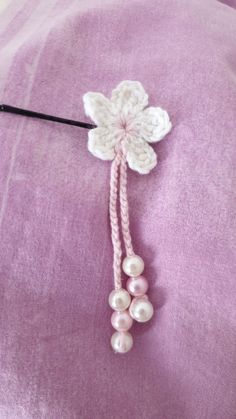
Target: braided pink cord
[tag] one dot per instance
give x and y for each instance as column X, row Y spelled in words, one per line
column 115, row 235
column 124, row 207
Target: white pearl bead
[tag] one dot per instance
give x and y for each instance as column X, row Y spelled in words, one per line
column 121, row 342
column 133, row 265
column 121, row 321
column 119, row 300
column 137, row 286
column 141, row 309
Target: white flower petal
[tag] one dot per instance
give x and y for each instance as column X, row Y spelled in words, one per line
column 129, row 97
column 140, row 156
column 98, row 108
column 102, row 142
column 154, row 124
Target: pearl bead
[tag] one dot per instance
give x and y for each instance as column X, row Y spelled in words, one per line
column 121, row 321
column 119, row 300
column 137, row 286
column 133, row 265
column 121, row 342
column 141, row 309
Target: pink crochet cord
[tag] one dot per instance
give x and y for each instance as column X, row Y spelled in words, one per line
column 115, row 234
column 121, row 188
column 124, row 207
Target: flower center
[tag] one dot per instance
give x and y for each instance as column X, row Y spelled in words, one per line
column 126, row 125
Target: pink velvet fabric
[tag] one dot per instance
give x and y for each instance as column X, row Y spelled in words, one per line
column 56, row 254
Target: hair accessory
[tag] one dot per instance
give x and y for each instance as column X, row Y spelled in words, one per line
column 125, row 127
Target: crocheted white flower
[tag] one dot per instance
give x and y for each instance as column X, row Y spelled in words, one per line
column 125, row 118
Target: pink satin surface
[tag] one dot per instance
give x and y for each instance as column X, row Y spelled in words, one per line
column 56, row 253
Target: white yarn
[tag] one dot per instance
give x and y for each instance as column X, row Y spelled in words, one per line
column 124, row 117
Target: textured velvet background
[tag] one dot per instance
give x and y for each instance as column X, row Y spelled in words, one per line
column 55, row 253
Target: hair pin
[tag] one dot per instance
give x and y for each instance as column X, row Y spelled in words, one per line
column 125, row 128
column 32, row 114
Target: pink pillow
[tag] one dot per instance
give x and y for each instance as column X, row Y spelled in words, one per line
column 56, row 254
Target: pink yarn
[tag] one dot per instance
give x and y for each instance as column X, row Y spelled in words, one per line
column 124, row 207
column 115, row 234
column 119, row 187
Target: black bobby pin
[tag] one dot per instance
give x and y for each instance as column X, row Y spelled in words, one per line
column 25, row 112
